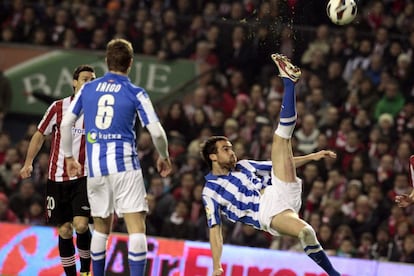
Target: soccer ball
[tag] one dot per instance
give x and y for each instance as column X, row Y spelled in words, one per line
column 341, row 12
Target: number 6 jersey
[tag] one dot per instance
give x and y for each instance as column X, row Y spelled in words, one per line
column 107, row 103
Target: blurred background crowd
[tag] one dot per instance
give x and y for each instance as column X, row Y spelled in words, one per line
column 355, row 97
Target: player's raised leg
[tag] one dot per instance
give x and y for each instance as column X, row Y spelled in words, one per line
column 288, row 222
column 282, row 156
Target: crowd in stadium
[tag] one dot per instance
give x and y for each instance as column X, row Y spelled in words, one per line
column 355, row 96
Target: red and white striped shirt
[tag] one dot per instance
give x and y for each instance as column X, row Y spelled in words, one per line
column 50, row 124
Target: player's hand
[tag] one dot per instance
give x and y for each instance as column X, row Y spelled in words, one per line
column 73, row 168
column 218, row 271
column 26, row 171
column 404, row 200
column 164, row 166
column 324, row 154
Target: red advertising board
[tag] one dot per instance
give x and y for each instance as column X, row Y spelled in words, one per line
column 31, row 251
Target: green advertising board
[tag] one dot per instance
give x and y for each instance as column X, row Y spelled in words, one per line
column 51, row 74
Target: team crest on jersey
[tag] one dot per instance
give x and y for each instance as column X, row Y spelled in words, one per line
column 91, row 137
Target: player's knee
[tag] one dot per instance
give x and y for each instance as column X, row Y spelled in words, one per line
column 81, row 227
column 65, row 231
column 307, row 236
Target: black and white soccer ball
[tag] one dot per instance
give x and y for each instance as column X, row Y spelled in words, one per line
column 341, row 12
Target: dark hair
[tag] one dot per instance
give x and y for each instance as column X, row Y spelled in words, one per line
column 82, row 68
column 209, row 147
column 119, row 53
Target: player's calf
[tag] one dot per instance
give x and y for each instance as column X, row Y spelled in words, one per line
column 314, row 250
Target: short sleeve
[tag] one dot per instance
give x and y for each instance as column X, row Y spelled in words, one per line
column 212, row 209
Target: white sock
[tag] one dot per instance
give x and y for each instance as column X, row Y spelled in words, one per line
column 98, row 245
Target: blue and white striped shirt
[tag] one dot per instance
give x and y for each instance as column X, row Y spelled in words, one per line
column 237, row 194
column 110, row 105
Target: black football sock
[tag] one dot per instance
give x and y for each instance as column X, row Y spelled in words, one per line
column 83, row 242
column 67, row 256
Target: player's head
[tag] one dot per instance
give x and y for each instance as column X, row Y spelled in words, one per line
column 82, row 74
column 119, row 55
column 218, row 149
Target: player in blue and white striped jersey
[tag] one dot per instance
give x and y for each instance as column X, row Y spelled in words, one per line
column 110, row 105
column 266, row 195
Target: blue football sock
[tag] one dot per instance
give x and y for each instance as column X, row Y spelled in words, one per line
column 137, row 253
column 319, row 257
column 98, row 253
column 288, row 111
column 137, row 268
column 98, row 267
column 289, row 99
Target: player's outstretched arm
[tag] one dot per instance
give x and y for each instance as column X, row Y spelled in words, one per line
column 159, row 138
column 302, row 160
column 216, row 245
column 35, row 145
column 405, row 200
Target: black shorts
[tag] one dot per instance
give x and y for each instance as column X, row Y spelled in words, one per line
column 65, row 200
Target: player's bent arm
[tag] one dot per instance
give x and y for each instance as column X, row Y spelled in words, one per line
column 302, row 160
column 159, row 138
column 412, row 195
column 405, row 200
column 410, row 198
column 35, row 145
column 66, row 131
column 216, row 245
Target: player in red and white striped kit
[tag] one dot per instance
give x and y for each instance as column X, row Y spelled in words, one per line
column 405, row 200
column 66, row 197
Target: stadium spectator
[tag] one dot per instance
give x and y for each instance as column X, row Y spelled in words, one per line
column 36, row 213
column 248, row 236
column 353, row 44
column 335, row 87
column 176, row 121
column 58, row 29
column 403, row 151
column 361, row 59
column 346, row 249
column 313, row 201
column 164, row 201
column 11, row 158
column 307, row 135
column 367, row 95
column 6, row 96
column 317, row 104
column 260, row 147
column 98, row 40
column 363, row 219
column 407, row 254
column 5, row 143
column 326, row 239
column 40, row 37
column 178, row 225
column 22, row 198
column 26, row 26
column 365, row 246
column 6, row 214
column 384, row 248
column 391, row 102
column 380, row 204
